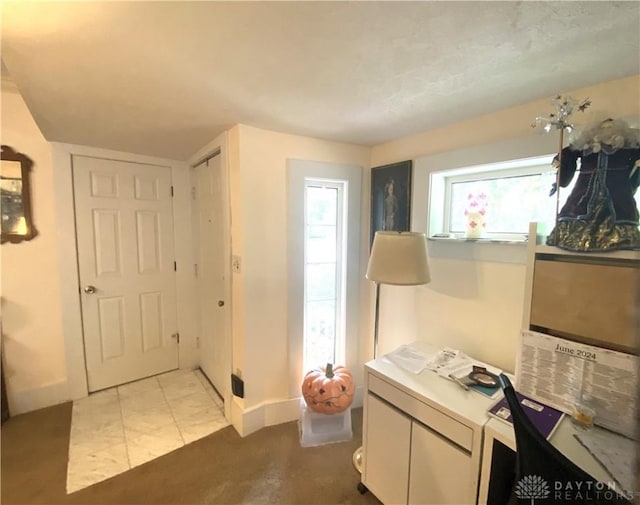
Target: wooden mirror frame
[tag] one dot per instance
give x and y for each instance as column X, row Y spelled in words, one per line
column 29, row 232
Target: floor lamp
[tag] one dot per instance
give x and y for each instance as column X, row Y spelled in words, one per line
column 399, row 259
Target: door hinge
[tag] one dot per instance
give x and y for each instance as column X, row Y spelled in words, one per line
column 171, row 190
column 175, row 266
column 195, row 269
column 176, row 336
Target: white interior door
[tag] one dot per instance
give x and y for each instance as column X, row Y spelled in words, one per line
column 124, row 225
column 214, row 359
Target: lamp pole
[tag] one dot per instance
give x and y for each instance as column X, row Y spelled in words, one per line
column 376, row 321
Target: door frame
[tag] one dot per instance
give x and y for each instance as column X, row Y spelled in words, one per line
column 62, row 154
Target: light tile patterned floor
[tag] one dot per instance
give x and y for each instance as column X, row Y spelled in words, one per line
column 122, row 427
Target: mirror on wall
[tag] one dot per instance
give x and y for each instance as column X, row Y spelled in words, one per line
column 15, row 196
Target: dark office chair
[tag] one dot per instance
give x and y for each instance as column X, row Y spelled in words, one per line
column 543, row 474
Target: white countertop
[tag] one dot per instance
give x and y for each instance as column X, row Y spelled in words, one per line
column 468, row 407
column 562, row 439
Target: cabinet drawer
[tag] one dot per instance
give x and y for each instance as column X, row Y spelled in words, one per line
column 448, row 427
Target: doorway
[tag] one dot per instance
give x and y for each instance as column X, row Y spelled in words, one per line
column 126, row 266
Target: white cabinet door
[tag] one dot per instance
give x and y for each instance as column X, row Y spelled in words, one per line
column 386, row 452
column 441, row 472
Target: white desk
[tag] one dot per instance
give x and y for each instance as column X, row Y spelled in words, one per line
column 562, row 439
column 422, row 436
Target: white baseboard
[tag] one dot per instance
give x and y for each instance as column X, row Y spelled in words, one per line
column 244, row 421
column 248, row 421
column 271, row 413
column 358, row 398
column 26, row 400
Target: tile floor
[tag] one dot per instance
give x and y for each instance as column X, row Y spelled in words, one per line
column 122, row 427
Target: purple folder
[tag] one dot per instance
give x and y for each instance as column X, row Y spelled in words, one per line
column 543, row 417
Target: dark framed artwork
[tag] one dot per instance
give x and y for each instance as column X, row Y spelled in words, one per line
column 391, row 197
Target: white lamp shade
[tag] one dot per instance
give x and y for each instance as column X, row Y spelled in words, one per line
column 399, row 258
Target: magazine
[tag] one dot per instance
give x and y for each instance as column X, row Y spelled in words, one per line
column 456, row 365
column 546, row 419
column 490, row 392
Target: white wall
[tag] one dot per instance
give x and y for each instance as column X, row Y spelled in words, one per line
column 259, row 218
column 475, row 301
column 32, row 336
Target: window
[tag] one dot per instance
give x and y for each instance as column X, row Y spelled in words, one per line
column 324, row 290
column 509, row 194
column 323, row 266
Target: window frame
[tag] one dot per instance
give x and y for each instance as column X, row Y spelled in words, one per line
column 342, row 188
column 441, row 182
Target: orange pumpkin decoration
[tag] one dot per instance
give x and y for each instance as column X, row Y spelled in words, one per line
column 329, row 390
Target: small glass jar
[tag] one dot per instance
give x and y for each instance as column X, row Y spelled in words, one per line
column 583, row 413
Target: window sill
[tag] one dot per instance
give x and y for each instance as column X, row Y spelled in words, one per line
column 482, row 250
column 522, row 241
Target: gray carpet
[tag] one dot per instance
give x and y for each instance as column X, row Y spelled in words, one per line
column 268, row 467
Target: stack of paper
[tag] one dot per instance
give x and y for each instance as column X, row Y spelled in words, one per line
column 447, row 363
column 410, row 358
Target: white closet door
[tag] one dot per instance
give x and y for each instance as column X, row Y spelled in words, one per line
column 214, row 354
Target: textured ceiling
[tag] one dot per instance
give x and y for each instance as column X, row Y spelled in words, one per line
column 164, row 78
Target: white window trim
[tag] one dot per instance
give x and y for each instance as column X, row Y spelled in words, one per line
column 297, row 172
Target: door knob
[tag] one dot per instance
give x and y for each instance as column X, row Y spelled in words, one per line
column 89, row 289
column 220, row 303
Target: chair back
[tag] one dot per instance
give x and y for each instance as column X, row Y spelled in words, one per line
column 543, row 474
